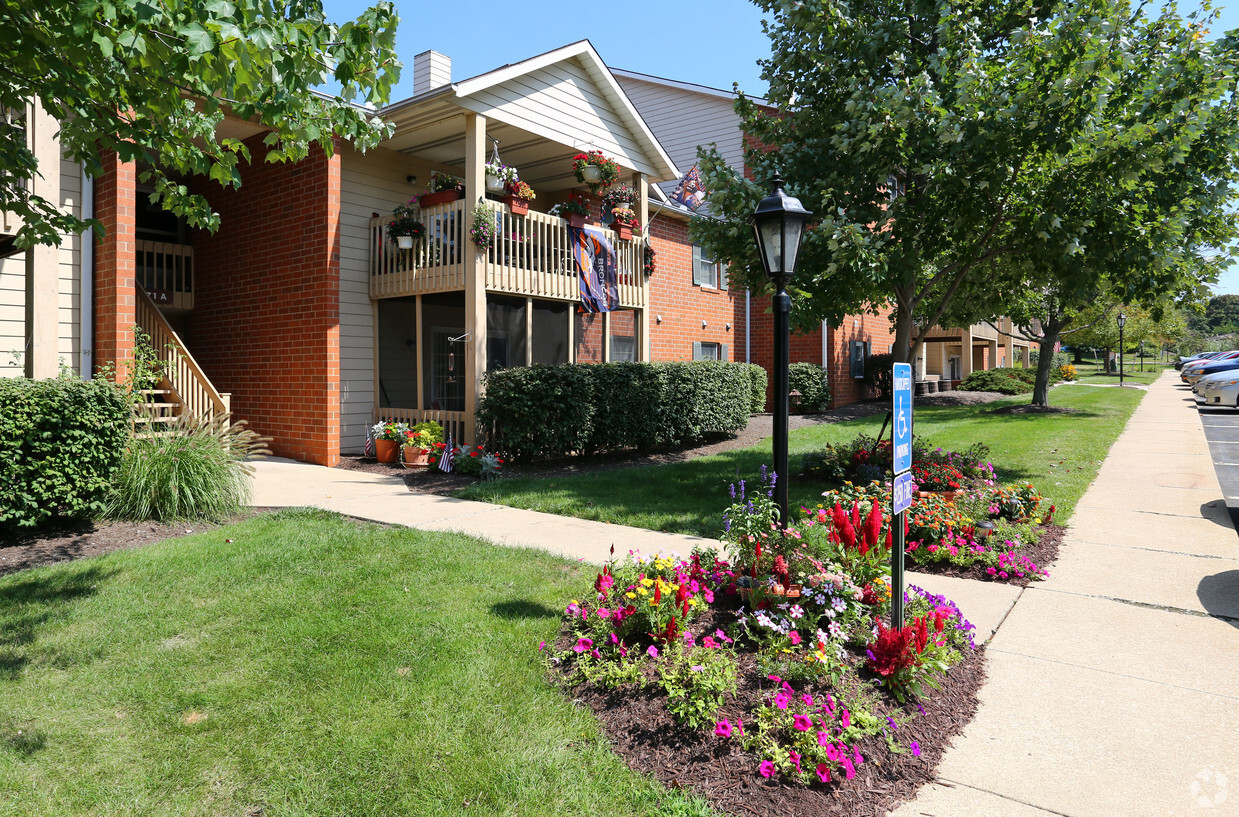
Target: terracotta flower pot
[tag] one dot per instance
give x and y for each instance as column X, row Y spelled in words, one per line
column 517, row 205
column 442, row 197
column 623, row 231
column 386, row 451
column 415, row 457
column 575, row 220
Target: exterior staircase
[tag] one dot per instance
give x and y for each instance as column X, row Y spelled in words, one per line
column 183, row 387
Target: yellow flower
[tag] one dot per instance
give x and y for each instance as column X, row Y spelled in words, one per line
column 630, row 595
column 653, row 603
column 643, row 591
column 648, row 582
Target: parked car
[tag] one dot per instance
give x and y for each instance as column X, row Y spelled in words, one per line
column 1220, row 390
column 1200, row 357
column 1196, row 370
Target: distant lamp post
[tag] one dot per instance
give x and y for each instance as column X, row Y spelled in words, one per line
column 778, row 225
column 1122, row 320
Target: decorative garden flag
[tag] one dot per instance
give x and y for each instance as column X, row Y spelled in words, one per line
column 449, row 457
column 597, row 269
column 689, row 191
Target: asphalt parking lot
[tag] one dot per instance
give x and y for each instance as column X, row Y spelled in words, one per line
column 1221, row 426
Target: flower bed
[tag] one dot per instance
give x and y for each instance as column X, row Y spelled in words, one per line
column 776, row 661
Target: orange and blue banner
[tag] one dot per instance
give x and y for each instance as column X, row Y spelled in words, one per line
column 597, row 269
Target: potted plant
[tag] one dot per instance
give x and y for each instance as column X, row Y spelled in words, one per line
column 621, row 195
column 483, row 232
column 575, row 210
column 404, row 227
column 498, row 175
column 388, row 436
column 419, row 442
column 444, row 187
column 595, row 169
column 649, row 261
column 518, row 196
column 624, row 222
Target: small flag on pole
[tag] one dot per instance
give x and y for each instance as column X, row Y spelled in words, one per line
column 449, row 456
column 689, row 191
column 368, row 450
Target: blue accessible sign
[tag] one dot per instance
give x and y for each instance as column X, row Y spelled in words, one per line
column 901, row 417
column 902, row 492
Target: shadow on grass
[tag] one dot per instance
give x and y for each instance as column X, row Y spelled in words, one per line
column 26, row 605
column 22, row 738
column 522, row 608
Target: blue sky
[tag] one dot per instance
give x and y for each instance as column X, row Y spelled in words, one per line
column 711, row 43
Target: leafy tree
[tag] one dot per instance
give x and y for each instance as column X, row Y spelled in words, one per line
column 1221, row 315
column 988, row 148
column 150, row 80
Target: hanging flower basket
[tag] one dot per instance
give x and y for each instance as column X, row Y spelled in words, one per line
column 595, row 169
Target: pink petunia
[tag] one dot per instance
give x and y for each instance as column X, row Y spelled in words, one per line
column 689, row 639
column 781, row 700
column 847, row 719
column 823, row 772
column 795, row 758
column 652, row 651
column 541, row 646
column 614, row 639
column 766, row 768
column 723, row 728
column 708, row 595
column 604, row 612
column 823, row 739
column 848, row 768
column 583, row 645
column 802, row 723
column 916, row 749
column 807, row 699
column 795, row 637
column 709, row 643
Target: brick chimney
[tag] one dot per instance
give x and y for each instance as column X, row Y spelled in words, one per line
column 431, row 70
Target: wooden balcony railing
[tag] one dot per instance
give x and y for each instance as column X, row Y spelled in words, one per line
column 166, row 273
column 532, row 257
column 454, row 422
column 190, row 387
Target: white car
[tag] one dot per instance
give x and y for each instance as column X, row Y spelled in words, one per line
column 1219, row 390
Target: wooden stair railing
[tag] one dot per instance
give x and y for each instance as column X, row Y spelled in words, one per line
column 184, row 382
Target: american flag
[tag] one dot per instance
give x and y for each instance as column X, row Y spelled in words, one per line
column 368, row 450
column 449, row 456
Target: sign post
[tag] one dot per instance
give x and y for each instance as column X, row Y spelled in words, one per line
column 901, row 493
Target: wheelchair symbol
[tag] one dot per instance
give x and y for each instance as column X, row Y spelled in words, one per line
column 901, row 428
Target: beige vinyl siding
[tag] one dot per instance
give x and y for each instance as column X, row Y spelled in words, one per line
column 372, row 182
column 69, row 348
column 562, row 104
column 13, row 290
column 682, row 120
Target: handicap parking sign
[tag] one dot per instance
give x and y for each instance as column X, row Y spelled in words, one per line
column 901, row 417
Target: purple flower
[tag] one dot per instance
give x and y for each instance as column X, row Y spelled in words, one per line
column 916, row 749
column 766, row 768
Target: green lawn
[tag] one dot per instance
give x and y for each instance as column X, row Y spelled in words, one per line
column 1059, row 453
column 1092, row 372
column 302, row 664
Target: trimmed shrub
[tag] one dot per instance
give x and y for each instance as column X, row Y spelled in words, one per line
column 813, row 384
column 195, row 470
column 538, row 412
column 758, row 379
column 60, row 441
column 1003, row 381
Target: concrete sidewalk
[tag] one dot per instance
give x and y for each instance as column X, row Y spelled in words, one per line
column 1113, row 686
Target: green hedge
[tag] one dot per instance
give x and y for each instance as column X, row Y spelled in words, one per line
column 539, row 412
column 758, row 378
column 60, row 441
column 813, row 384
column 1003, row 381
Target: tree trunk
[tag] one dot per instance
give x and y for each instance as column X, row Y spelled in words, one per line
column 903, row 352
column 1051, row 329
column 1078, row 355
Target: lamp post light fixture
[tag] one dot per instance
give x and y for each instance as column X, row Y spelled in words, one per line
column 1122, row 321
column 778, row 226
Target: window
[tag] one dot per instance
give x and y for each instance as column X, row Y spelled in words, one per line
column 703, row 350
column 623, row 349
column 706, row 272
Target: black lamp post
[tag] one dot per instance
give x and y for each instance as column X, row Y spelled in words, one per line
column 1122, row 320
column 778, row 225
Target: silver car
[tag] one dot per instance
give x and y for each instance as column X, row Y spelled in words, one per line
column 1219, row 389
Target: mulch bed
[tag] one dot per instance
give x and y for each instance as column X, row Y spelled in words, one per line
column 1043, row 552
column 643, row 733
column 78, row 540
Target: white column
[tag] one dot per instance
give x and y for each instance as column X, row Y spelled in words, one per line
column 475, row 272
column 43, row 261
column 641, row 185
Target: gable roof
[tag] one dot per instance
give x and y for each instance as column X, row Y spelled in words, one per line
column 542, row 111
